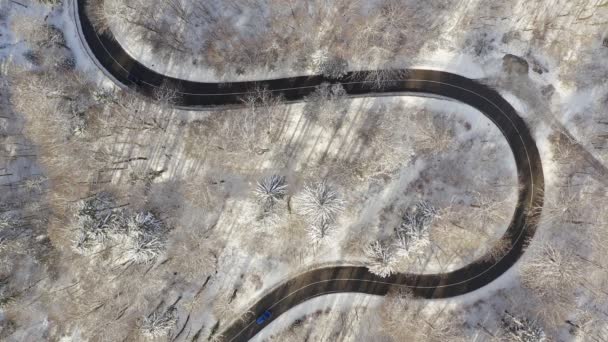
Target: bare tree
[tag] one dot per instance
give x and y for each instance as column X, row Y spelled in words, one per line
column 565, row 151
column 223, row 308
column 255, row 128
column 46, row 43
column 167, row 94
column 488, row 210
column 389, row 146
column 404, row 319
column 549, row 270
column 432, row 136
column 590, row 323
column 380, row 78
column 102, row 12
column 34, row 184
column 377, row 37
column 396, row 304
column 600, row 141
column 564, row 207
column 327, row 105
column 131, row 111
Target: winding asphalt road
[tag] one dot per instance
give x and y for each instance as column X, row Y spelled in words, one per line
column 120, row 66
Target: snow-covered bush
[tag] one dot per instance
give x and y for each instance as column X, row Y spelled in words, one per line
column 404, row 318
column 412, row 235
column 381, row 258
column 320, row 205
column 130, row 237
column 141, row 241
column 520, row 329
column 270, row 190
column 95, row 221
column 223, row 307
column 159, row 324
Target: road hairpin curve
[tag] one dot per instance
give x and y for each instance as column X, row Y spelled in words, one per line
column 128, row 72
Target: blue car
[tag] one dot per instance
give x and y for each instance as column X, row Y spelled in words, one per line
column 264, row 317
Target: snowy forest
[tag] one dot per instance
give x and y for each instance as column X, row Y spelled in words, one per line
column 126, row 217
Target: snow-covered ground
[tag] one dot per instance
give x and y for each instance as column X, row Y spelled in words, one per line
column 199, row 171
column 378, row 175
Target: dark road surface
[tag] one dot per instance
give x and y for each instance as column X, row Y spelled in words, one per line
column 123, row 68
